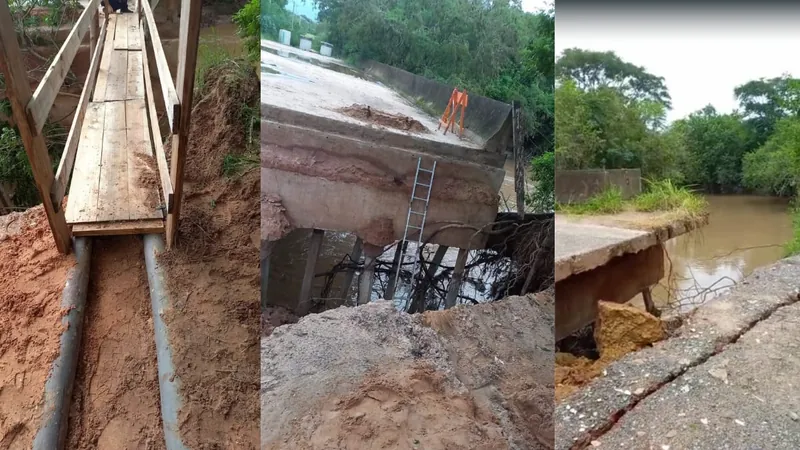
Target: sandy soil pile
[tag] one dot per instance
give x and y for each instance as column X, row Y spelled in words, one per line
column 115, row 401
column 32, row 278
column 378, row 117
column 214, row 279
column 468, row 378
column 620, row 329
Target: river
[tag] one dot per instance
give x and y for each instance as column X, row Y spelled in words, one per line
column 744, row 233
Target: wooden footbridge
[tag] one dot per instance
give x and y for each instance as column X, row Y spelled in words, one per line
column 114, row 166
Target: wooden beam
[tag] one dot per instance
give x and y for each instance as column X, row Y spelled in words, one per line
column 149, row 226
column 168, row 91
column 519, row 164
column 187, row 62
column 39, row 106
column 18, row 92
column 71, row 147
column 155, row 131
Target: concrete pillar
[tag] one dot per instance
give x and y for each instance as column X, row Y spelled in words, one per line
column 355, row 255
column 398, row 254
column 437, row 259
column 314, row 246
column 371, row 252
column 458, row 276
column 266, row 253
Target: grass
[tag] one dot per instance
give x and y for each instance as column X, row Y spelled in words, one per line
column 234, row 165
column 659, row 196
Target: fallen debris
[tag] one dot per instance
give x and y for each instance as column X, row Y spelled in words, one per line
column 378, row 117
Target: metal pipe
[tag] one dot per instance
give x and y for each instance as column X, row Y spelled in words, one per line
column 58, row 388
column 168, row 381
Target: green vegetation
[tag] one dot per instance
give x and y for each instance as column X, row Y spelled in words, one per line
column 543, row 176
column 660, row 196
column 35, row 22
column 612, row 115
column 248, row 22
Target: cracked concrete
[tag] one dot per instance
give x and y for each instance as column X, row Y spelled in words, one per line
column 655, row 398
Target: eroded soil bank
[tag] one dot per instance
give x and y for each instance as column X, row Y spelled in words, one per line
column 477, row 377
column 115, row 401
column 32, row 278
column 213, row 271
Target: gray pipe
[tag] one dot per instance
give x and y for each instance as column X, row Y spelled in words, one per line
column 167, row 379
column 58, row 387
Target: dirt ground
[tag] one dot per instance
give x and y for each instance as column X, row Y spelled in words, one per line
column 32, row 278
column 469, row 378
column 620, row 329
column 115, row 402
column 214, row 278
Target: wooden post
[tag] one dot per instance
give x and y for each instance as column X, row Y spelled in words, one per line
column 314, row 246
column 18, row 91
column 519, row 164
column 458, row 276
column 94, row 32
column 187, row 63
column 398, row 254
column 355, row 255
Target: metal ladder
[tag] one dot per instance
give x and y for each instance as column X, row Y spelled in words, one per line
column 413, row 212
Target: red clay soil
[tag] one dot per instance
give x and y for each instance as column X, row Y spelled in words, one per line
column 395, row 409
column 32, row 279
column 214, row 278
column 115, row 401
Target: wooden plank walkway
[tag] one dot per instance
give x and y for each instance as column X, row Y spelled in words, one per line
column 115, row 182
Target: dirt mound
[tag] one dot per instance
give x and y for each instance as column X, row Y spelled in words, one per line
column 399, row 410
column 32, row 277
column 219, row 120
column 470, row 377
column 620, row 329
column 214, row 279
column 378, row 117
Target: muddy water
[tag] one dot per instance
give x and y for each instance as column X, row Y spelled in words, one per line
column 744, row 233
column 225, row 35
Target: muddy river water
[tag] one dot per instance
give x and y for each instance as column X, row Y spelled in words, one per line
column 744, row 233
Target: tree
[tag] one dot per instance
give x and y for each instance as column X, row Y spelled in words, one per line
column 594, row 70
column 766, row 101
column 715, row 145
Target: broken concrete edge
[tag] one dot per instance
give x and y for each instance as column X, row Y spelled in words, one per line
column 584, row 262
column 384, row 136
column 52, row 431
column 596, row 408
column 168, row 381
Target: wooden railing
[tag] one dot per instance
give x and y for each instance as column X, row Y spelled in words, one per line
column 68, row 52
column 155, row 132
column 168, row 92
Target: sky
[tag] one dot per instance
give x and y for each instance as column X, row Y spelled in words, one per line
column 703, row 52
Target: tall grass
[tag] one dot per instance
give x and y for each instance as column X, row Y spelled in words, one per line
column 660, row 196
column 664, row 195
column 607, row 202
